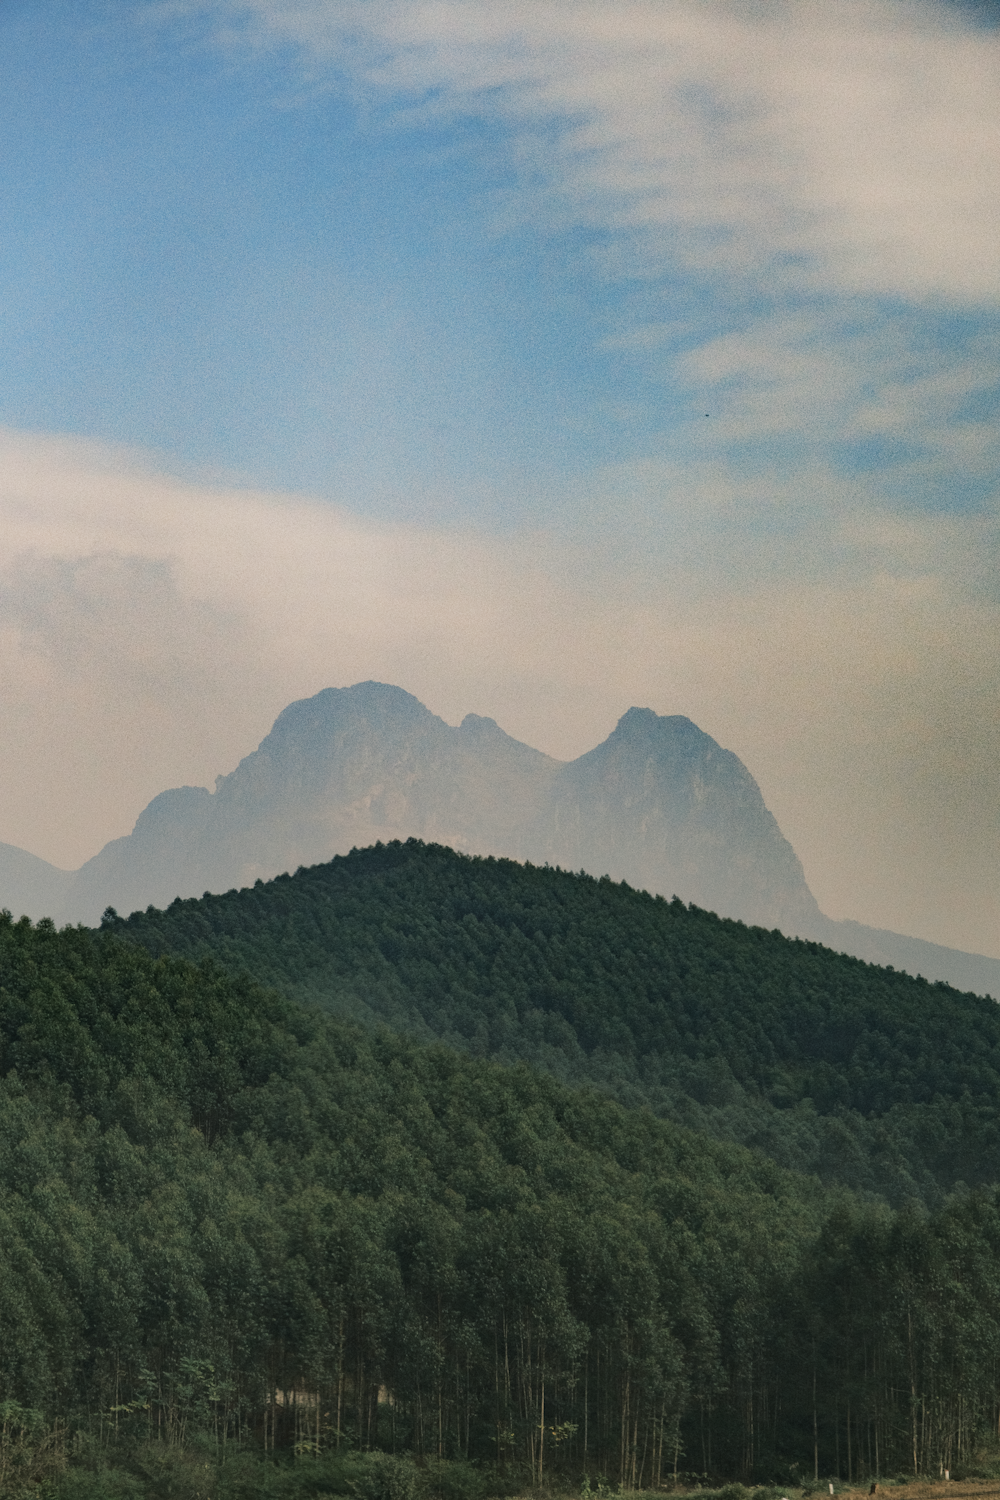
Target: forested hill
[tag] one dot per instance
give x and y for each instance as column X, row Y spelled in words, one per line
column 861, row 1075
column 225, row 1213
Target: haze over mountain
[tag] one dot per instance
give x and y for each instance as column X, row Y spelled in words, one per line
column 659, row 804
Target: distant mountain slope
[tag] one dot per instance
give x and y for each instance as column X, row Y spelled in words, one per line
column 966, row 971
column 32, row 884
column 659, row 804
column 860, row 1075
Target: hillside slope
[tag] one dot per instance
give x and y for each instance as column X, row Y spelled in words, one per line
column 864, row 1076
column 211, row 1198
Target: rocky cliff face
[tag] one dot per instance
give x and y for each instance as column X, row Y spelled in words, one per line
column 658, row 804
column 661, row 805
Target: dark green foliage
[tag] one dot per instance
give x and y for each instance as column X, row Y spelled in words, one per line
column 831, row 1066
column 228, row 1219
column 196, row 1471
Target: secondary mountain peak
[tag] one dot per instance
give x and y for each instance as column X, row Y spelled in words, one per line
column 662, row 805
column 477, row 724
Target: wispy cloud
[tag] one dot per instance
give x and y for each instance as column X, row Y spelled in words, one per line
column 853, row 147
column 837, row 380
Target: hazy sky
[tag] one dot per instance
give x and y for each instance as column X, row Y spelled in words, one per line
column 544, row 358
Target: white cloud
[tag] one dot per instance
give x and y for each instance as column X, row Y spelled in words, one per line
column 846, row 375
column 853, row 148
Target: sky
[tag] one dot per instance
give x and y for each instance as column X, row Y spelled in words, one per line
column 545, row 359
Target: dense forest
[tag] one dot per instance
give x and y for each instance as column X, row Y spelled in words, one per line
column 228, row 1213
column 832, row 1066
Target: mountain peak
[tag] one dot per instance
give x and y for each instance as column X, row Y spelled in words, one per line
column 644, row 721
column 363, row 700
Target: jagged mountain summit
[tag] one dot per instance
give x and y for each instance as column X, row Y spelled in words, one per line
column 659, row 804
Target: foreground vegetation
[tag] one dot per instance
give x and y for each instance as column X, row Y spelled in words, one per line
column 198, row 1471
column 831, row 1066
column 223, row 1212
column 199, row 1468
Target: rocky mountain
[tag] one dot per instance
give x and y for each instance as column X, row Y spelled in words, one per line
column 659, row 804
